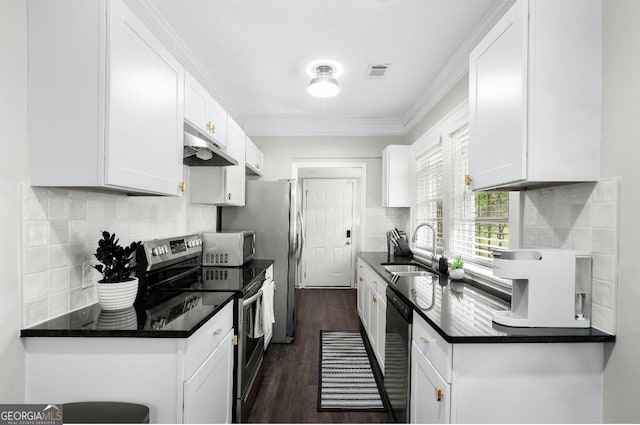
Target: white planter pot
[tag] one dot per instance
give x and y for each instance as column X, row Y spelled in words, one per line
column 116, row 296
column 456, row 274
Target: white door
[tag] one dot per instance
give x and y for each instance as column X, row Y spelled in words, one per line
column 328, row 215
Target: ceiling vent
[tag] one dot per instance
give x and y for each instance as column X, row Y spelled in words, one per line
column 378, row 70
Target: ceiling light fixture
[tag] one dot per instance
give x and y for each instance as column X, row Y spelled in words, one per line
column 323, row 84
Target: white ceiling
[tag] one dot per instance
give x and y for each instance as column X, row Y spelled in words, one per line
column 255, row 53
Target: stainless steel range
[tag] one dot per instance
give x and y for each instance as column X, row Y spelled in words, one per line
column 172, row 267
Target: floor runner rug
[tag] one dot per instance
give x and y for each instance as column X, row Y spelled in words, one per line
column 346, row 380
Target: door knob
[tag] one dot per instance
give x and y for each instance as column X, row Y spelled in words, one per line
column 348, row 242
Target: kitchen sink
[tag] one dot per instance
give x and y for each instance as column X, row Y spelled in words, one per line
column 408, row 270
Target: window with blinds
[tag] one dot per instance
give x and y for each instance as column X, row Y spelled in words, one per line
column 428, row 207
column 480, row 222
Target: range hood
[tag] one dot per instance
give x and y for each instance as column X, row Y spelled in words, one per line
column 199, row 152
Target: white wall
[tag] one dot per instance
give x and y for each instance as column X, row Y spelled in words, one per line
column 620, row 153
column 13, row 171
column 582, row 217
column 456, row 95
column 281, row 152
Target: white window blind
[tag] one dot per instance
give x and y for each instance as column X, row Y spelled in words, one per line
column 428, row 208
column 480, row 222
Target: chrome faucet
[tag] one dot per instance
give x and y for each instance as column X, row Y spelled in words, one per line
column 434, row 264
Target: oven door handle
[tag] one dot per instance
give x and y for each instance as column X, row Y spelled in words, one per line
column 252, row 299
column 177, row 277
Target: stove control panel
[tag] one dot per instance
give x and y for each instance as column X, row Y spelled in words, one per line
column 159, row 251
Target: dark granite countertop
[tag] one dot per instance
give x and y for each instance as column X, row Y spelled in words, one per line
column 180, row 321
column 184, row 309
column 461, row 313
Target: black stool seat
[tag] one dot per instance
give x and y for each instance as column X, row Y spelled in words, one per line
column 105, row 412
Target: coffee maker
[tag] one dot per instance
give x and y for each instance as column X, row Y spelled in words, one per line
column 551, row 288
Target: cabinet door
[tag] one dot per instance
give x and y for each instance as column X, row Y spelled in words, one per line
column 208, row 394
column 218, row 117
column 372, row 303
column 381, row 328
column 235, row 174
column 196, row 104
column 254, row 157
column 366, row 302
column 385, row 178
column 396, row 176
column 360, row 290
column 430, row 394
column 145, row 108
column 498, row 102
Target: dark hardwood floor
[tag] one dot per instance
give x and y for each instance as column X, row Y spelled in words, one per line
column 289, row 391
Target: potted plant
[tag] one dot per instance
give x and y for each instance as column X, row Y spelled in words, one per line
column 457, row 269
column 117, row 289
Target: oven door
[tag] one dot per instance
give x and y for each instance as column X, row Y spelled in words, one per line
column 251, row 344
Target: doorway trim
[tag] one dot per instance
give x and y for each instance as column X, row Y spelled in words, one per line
column 296, row 166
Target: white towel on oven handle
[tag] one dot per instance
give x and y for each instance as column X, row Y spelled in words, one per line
column 257, row 331
column 268, row 316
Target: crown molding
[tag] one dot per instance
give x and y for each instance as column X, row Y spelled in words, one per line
column 297, row 126
column 455, row 68
column 450, row 74
column 152, row 17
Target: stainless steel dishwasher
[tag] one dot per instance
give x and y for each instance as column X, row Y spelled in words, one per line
column 397, row 352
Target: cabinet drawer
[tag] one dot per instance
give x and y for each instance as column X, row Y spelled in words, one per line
column 378, row 284
column 435, row 348
column 207, row 338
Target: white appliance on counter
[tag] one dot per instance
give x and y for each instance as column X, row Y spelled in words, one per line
column 551, row 288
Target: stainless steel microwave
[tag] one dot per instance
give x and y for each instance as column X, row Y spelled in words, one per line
column 230, row 249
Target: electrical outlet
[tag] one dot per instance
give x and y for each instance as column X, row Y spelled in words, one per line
column 89, row 275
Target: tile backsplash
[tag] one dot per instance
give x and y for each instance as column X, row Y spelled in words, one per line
column 582, row 217
column 379, row 221
column 60, row 230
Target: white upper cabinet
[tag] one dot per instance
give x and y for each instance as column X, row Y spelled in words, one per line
column 235, row 174
column 535, row 96
column 254, row 159
column 106, row 100
column 396, row 176
column 224, row 186
column 203, row 113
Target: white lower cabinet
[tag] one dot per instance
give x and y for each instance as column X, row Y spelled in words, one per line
column 208, row 394
column 503, row 382
column 430, row 394
column 181, row 380
column 372, row 308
